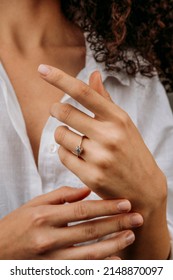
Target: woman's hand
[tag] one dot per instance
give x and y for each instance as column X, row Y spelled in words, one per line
column 115, row 161
column 114, row 154
column 39, row 230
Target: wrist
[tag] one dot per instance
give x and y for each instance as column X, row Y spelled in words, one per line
column 153, row 199
column 155, row 226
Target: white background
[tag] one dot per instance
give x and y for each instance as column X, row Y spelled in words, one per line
column 86, row 267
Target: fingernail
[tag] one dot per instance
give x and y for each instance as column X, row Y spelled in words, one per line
column 136, row 220
column 43, row 69
column 124, row 206
column 130, row 238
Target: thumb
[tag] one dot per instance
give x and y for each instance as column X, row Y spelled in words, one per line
column 95, row 82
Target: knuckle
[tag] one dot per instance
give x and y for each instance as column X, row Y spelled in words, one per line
column 57, row 76
column 64, row 193
column 80, row 210
column 85, row 90
column 65, row 112
column 38, row 217
column 124, row 120
column 124, row 221
column 104, row 161
column 110, row 139
column 60, row 134
column 120, row 223
column 91, row 232
column 98, row 181
column 91, row 255
column 41, row 244
column 114, row 141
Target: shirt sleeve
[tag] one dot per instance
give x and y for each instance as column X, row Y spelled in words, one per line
column 155, row 123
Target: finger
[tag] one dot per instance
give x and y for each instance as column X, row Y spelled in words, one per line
column 77, row 165
column 81, row 169
column 93, row 230
column 86, row 172
column 60, row 196
column 96, row 251
column 84, row 210
column 70, row 141
column 76, row 119
column 79, row 91
column 113, row 258
column 95, row 82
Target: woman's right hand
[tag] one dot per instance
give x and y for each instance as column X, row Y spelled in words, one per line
column 39, row 229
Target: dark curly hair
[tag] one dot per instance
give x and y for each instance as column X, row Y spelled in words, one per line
column 116, row 26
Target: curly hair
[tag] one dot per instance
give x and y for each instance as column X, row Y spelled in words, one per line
column 115, row 27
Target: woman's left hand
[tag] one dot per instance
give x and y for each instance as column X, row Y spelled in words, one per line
column 115, row 161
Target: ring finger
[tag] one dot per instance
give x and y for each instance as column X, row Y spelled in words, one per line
column 75, row 143
column 97, row 251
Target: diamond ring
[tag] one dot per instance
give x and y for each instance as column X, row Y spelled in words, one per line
column 78, row 149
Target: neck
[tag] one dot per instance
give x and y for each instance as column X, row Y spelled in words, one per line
column 32, row 23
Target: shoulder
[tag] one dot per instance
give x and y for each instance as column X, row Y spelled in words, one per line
column 151, row 91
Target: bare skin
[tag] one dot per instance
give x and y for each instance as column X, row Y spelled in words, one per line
column 38, row 230
column 32, row 32
column 115, row 156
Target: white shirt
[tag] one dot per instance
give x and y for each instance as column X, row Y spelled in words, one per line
column 142, row 98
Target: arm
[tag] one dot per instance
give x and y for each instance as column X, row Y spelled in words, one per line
column 117, row 159
column 153, row 240
column 156, row 127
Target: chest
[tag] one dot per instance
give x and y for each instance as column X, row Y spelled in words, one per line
column 34, row 95
column 35, row 98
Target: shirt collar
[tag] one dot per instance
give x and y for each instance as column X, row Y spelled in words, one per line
column 91, row 65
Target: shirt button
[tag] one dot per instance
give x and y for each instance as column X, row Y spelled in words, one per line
column 52, row 148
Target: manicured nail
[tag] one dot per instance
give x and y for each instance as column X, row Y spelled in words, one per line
column 124, row 206
column 136, row 220
column 130, row 238
column 43, row 69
